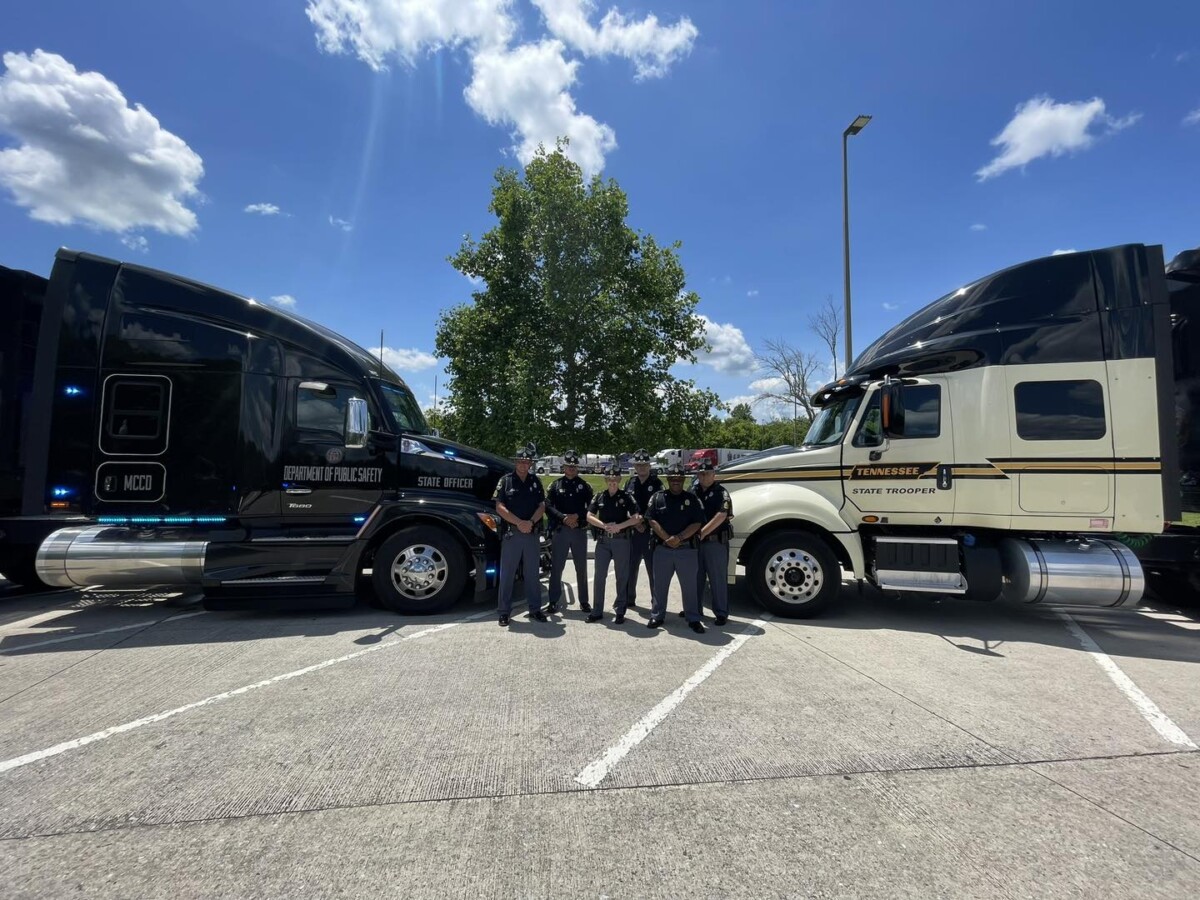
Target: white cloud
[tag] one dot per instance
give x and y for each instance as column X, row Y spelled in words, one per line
column 1063, row 252
column 341, row 223
column 402, row 360
column 524, row 86
column 262, row 209
column 979, row 226
column 1183, row 57
column 730, row 353
column 891, row 307
column 136, row 242
column 653, row 48
column 768, row 385
column 752, row 293
column 85, row 155
column 1192, row 118
column 287, row 301
column 1042, row 127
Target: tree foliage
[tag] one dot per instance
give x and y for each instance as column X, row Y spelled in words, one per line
column 580, row 319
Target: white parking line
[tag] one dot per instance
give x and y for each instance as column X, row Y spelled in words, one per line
column 1158, row 720
column 79, row 637
column 597, row 770
column 38, row 755
column 1179, row 621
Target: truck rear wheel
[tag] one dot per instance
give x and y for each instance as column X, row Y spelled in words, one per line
column 794, row 574
column 419, row 570
column 23, row 571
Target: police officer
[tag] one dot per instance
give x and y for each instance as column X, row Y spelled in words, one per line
column 642, row 486
column 521, row 503
column 713, row 555
column 676, row 517
column 612, row 514
column 566, row 507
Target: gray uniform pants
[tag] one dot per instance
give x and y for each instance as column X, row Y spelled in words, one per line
column 641, row 551
column 681, row 562
column 574, row 540
column 617, row 550
column 515, row 548
column 713, row 562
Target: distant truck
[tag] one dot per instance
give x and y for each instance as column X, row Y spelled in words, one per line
column 718, row 456
column 674, row 456
column 1020, row 438
column 548, row 465
column 155, row 430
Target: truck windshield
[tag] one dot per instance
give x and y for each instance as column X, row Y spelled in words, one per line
column 404, row 409
column 829, row 427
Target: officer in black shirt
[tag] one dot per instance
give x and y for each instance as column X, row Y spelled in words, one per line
column 521, row 503
column 612, row 514
column 566, row 506
column 713, row 555
column 642, row 486
column 676, row 516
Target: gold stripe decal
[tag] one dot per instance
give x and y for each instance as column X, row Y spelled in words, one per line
column 995, row 470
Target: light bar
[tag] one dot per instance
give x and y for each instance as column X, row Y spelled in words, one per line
column 161, row 520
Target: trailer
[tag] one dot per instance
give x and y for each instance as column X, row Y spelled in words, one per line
column 718, row 456
column 1003, row 442
column 162, row 431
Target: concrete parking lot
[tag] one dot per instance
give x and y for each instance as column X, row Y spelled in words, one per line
column 891, row 748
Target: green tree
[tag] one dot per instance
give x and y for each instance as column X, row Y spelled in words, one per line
column 581, row 318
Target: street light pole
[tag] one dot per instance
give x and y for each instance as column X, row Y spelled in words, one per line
column 854, row 128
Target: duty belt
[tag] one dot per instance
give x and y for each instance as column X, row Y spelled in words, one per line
column 605, row 536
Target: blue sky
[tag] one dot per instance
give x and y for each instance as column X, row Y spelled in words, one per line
column 296, row 149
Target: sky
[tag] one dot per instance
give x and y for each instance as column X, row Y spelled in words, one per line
column 329, row 155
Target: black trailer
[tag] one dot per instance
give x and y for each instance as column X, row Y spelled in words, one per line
column 156, row 430
column 1172, row 559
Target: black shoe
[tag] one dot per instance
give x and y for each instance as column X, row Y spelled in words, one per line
column 620, row 619
column 654, row 623
column 720, row 620
column 697, row 627
column 584, row 606
column 594, row 617
column 539, row 616
column 552, row 608
column 504, row 620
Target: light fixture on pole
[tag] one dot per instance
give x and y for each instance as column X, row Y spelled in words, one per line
column 854, row 128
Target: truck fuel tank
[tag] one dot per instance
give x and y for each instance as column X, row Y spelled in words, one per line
column 116, row 557
column 1074, row 572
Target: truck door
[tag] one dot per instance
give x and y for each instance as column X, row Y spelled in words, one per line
column 906, row 479
column 324, row 481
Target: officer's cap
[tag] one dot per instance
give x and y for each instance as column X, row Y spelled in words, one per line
column 570, row 458
column 526, row 451
column 641, row 456
column 675, row 471
column 705, row 465
column 612, row 472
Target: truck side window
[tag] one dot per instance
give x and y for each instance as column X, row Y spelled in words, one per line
column 922, row 410
column 322, row 407
column 135, row 415
column 1060, row 410
column 870, row 430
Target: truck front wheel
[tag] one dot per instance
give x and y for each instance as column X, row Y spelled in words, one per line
column 794, row 574
column 419, row 570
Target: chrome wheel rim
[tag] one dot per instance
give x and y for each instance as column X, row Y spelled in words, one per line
column 794, row 576
column 419, row 571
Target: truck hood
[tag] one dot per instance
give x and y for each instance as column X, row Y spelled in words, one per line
column 778, row 462
column 452, row 459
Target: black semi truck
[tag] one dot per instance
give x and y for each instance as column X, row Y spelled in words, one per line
column 155, row 430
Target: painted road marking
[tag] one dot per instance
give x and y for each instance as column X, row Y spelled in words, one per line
column 38, row 755
column 1179, row 621
column 1148, row 708
column 79, row 637
column 597, row 770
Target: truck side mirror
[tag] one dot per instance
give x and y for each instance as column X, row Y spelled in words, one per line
column 891, row 408
column 358, row 423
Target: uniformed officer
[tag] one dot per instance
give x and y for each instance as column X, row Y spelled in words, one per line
column 713, row 556
column 642, row 486
column 521, row 503
column 612, row 515
column 566, row 507
column 676, row 517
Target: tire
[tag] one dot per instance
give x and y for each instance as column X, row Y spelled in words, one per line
column 794, row 574
column 419, row 570
column 24, row 573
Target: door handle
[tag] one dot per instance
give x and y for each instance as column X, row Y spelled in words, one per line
column 299, row 491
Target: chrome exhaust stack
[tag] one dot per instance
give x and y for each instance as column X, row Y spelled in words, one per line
column 115, row 557
column 1081, row 572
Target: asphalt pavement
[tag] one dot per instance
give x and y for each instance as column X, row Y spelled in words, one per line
column 893, row 748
